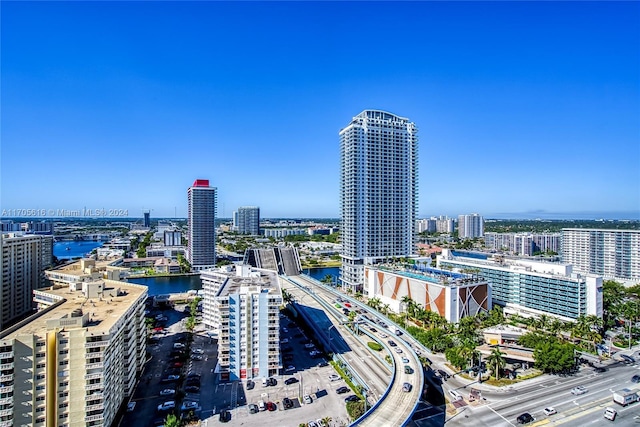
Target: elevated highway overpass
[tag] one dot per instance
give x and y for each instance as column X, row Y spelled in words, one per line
column 391, row 406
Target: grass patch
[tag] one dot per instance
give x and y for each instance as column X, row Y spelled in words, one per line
column 374, row 346
column 346, row 379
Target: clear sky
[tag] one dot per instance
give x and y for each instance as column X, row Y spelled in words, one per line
column 523, row 109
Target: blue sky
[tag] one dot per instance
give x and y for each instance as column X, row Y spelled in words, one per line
column 524, row 109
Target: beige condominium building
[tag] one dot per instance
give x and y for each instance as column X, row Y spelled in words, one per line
column 76, row 361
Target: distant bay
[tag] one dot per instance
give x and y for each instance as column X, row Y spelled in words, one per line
column 74, row 248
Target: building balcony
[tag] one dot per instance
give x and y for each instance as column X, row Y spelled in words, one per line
column 6, row 366
column 6, row 378
column 6, row 423
column 99, row 355
column 6, row 355
column 7, row 389
column 6, row 401
column 6, row 412
column 90, row 418
column 89, row 387
column 98, row 407
column 98, row 365
column 94, row 344
column 94, row 376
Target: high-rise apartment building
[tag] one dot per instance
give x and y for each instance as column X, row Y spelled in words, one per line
column 242, row 304
column 378, row 192
column 248, row 220
column 613, row 254
column 470, row 226
column 76, row 361
column 147, row 219
column 201, row 218
column 522, row 243
column 25, row 257
column 530, row 287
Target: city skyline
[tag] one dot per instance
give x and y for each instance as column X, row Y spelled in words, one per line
column 539, row 99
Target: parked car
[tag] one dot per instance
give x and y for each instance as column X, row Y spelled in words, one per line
column 290, row 368
column 291, row 380
column 307, row 399
column 323, row 364
column 188, row 405
column 579, row 390
column 167, row 405
column 287, row 403
column 549, row 411
column 599, row 369
column 352, row 398
column 635, row 379
column 178, row 346
column 334, row 377
column 131, row 406
column 309, row 345
column 341, row 390
column 271, row 406
column 192, row 389
column 167, row 392
column 525, row 418
column 272, row 382
column 225, row 416
column 250, row 385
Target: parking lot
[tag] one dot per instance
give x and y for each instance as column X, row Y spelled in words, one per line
column 310, row 376
column 184, row 373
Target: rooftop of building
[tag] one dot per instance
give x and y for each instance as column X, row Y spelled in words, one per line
column 608, row 230
column 83, row 267
column 513, row 263
column 244, row 278
column 103, row 312
column 428, row 274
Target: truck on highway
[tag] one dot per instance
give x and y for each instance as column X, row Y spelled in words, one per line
column 625, row 396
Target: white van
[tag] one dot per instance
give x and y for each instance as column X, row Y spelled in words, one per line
column 261, row 405
column 455, row 396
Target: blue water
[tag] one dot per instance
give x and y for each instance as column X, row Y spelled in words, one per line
column 76, row 249
column 169, row 285
column 319, row 273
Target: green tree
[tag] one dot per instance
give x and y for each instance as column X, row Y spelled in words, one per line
column 553, row 356
column 496, row 361
column 171, row 421
column 355, row 409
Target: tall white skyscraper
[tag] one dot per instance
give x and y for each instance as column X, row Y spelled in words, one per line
column 470, row 226
column 378, row 191
column 201, row 217
column 248, row 220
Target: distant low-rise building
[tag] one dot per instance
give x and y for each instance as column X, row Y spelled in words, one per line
column 166, row 265
column 280, row 233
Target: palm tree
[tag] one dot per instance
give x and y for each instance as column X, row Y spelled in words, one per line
column 496, row 359
column 374, row 303
column 171, row 421
column 358, row 295
column 385, row 309
column 286, row 296
column 406, row 300
column 326, row 421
